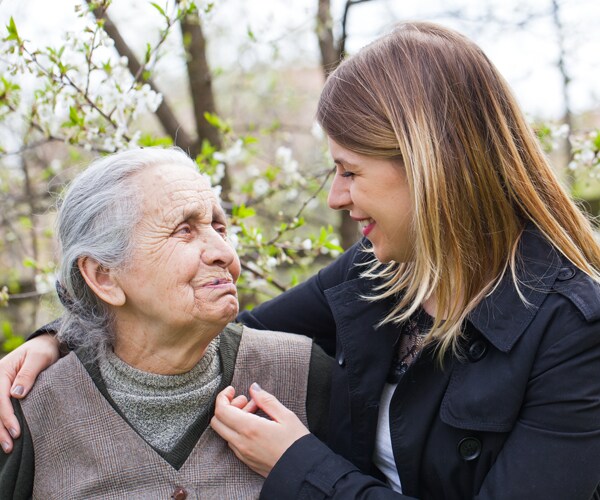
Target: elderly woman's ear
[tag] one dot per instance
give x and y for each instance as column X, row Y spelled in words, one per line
column 102, row 281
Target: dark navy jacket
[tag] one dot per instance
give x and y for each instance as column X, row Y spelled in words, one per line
column 517, row 417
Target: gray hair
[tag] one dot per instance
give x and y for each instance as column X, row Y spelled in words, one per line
column 96, row 219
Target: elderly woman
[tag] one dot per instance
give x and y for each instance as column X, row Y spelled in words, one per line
column 148, row 279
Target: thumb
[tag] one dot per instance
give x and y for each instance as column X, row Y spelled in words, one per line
column 268, row 403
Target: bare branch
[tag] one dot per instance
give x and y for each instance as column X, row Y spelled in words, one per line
column 330, row 56
column 342, row 42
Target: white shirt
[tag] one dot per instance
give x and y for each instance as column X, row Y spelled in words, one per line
column 383, row 456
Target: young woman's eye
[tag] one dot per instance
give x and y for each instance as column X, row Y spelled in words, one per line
column 345, row 173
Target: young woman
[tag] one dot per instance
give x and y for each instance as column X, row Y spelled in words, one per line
column 466, row 326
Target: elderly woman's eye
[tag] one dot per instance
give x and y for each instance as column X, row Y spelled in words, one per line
column 183, row 230
column 220, row 228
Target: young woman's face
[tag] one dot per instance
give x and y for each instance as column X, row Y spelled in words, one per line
column 376, row 193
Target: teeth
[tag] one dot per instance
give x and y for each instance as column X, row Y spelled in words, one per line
column 366, row 222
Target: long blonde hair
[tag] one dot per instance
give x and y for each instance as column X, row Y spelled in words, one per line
column 429, row 96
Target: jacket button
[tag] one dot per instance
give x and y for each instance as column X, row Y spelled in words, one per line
column 477, row 350
column 469, row 448
column 341, row 360
column 565, row 273
column 179, row 494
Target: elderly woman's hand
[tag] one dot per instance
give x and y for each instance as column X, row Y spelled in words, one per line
column 18, row 371
column 256, row 441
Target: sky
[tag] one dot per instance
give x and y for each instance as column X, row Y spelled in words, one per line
column 526, row 56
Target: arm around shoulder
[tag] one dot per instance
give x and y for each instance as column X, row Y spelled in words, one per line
column 17, row 468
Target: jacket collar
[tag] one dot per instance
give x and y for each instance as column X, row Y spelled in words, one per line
column 503, row 316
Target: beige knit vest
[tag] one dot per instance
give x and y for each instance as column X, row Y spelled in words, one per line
column 84, row 449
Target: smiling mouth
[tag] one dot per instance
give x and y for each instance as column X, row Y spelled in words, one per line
column 367, row 226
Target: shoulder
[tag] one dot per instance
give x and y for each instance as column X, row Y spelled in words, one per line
column 274, row 339
column 582, row 292
column 348, row 266
column 52, row 382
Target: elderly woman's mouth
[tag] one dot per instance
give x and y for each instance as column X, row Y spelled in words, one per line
column 220, row 283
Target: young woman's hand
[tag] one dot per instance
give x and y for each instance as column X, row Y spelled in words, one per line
column 18, row 371
column 255, row 440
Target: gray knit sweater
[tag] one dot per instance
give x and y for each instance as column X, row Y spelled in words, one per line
column 162, row 407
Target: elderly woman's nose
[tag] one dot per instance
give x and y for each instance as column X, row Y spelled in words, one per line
column 218, row 251
column 339, row 194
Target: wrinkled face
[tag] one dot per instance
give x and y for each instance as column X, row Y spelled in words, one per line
column 376, row 193
column 183, row 269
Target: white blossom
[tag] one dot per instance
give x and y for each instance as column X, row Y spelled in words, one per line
column 260, row 187
column 307, row 244
column 316, row 131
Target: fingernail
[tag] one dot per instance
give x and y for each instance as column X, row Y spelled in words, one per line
column 256, row 387
column 5, row 446
column 18, row 390
column 12, row 432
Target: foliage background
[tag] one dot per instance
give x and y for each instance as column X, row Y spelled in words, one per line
column 235, row 84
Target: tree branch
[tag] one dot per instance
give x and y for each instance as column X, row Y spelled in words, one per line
column 164, row 113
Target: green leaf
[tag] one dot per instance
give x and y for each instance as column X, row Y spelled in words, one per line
column 159, row 9
column 243, row 212
column 7, row 329
column 75, row 117
column 12, row 343
column 29, row 262
column 25, row 222
column 148, row 140
column 216, row 122
column 12, row 31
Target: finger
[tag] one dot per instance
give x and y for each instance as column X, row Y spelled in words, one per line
column 240, row 401
column 9, row 425
column 268, row 403
column 223, row 430
column 38, row 354
column 225, row 396
column 251, row 407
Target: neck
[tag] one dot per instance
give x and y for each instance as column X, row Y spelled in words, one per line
column 430, row 306
column 161, row 351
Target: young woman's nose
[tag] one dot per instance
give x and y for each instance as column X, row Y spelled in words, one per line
column 339, row 193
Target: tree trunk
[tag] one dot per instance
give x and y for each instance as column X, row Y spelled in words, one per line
column 331, row 56
column 200, row 79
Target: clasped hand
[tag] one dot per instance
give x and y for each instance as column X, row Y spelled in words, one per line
column 255, row 440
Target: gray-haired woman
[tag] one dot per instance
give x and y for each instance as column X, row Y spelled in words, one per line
column 148, row 279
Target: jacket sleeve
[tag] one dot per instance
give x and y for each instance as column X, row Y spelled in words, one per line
column 17, row 467
column 553, row 451
column 304, row 309
column 310, row 470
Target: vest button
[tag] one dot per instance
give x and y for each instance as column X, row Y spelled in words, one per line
column 469, row 448
column 179, row 494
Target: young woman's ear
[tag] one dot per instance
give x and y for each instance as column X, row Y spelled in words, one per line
column 101, row 281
